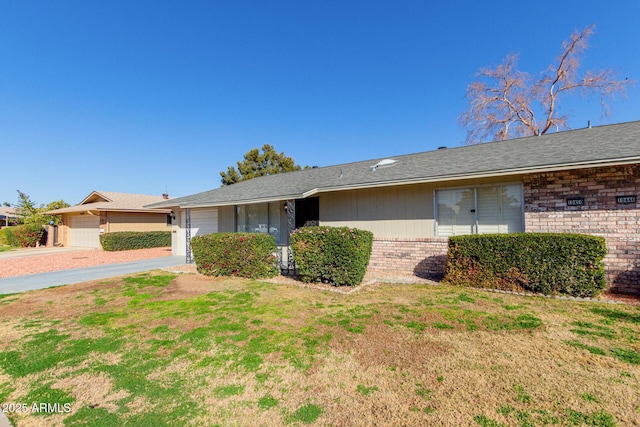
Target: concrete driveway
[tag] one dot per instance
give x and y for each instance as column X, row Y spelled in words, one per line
column 78, row 275
column 29, row 252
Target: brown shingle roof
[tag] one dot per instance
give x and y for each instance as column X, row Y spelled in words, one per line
column 111, row 201
column 10, row 212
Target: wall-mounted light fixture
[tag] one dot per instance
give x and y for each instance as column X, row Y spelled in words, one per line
column 170, row 218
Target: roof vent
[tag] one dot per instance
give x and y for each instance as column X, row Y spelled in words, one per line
column 383, row 163
column 444, row 147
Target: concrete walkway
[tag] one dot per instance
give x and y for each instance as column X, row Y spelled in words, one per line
column 4, row 421
column 79, row 275
column 28, row 252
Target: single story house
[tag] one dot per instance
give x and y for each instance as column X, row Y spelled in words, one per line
column 108, row 212
column 577, row 181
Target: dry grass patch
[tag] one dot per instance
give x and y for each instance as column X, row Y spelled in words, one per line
column 159, row 349
column 92, row 390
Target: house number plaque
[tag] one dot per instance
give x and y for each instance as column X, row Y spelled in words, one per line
column 626, row 200
column 575, row 201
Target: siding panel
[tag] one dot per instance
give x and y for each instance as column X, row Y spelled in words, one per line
column 133, row 221
column 227, row 219
column 405, row 211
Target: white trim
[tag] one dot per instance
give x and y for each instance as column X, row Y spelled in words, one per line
column 520, row 183
column 310, row 193
column 435, row 213
column 443, row 178
column 475, row 210
column 242, row 202
column 524, row 227
column 479, row 175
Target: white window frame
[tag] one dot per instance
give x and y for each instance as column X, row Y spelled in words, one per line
column 475, row 192
column 270, row 221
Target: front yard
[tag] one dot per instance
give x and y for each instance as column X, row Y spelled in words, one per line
column 158, row 349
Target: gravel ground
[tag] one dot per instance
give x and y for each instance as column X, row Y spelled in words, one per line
column 13, row 267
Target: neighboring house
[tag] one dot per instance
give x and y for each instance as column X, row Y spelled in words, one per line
column 7, row 216
column 578, row 181
column 108, row 212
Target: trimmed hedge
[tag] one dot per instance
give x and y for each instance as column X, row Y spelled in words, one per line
column 25, row 236
column 336, row 255
column 547, row 263
column 127, row 240
column 250, row 255
column 4, row 235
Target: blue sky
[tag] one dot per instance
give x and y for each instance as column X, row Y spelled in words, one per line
column 143, row 96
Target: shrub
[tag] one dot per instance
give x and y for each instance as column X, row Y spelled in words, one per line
column 336, row 255
column 250, row 255
column 545, row 263
column 25, row 236
column 127, row 240
column 4, row 235
column 8, row 237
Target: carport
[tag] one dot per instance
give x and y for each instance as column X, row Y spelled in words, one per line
column 5, row 214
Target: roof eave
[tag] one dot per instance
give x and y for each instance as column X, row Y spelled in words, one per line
column 242, row 202
column 95, row 193
column 134, row 210
column 424, row 180
column 161, row 205
column 477, row 175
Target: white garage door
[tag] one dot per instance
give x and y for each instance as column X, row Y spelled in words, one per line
column 84, row 231
column 204, row 221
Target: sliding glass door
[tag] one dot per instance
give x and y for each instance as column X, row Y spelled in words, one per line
column 259, row 218
column 486, row 209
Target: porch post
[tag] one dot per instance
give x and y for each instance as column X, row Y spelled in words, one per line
column 290, row 206
column 188, row 235
column 291, row 216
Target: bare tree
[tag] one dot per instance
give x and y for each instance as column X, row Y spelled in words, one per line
column 506, row 103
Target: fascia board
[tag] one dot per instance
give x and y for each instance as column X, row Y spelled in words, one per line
column 163, row 205
column 310, row 193
column 241, row 202
column 492, row 174
column 141, row 210
column 95, row 193
column 441, row 178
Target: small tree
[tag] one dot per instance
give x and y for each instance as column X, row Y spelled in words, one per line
column 25, row 208
column 256, row 164
column 58, row 204
column 504, row 102
column 28, row 213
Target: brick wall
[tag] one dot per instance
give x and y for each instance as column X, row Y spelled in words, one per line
column 422, row 257
column 546, row 210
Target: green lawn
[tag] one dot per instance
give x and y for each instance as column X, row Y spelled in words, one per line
column 157, row 349
column 4, row 248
